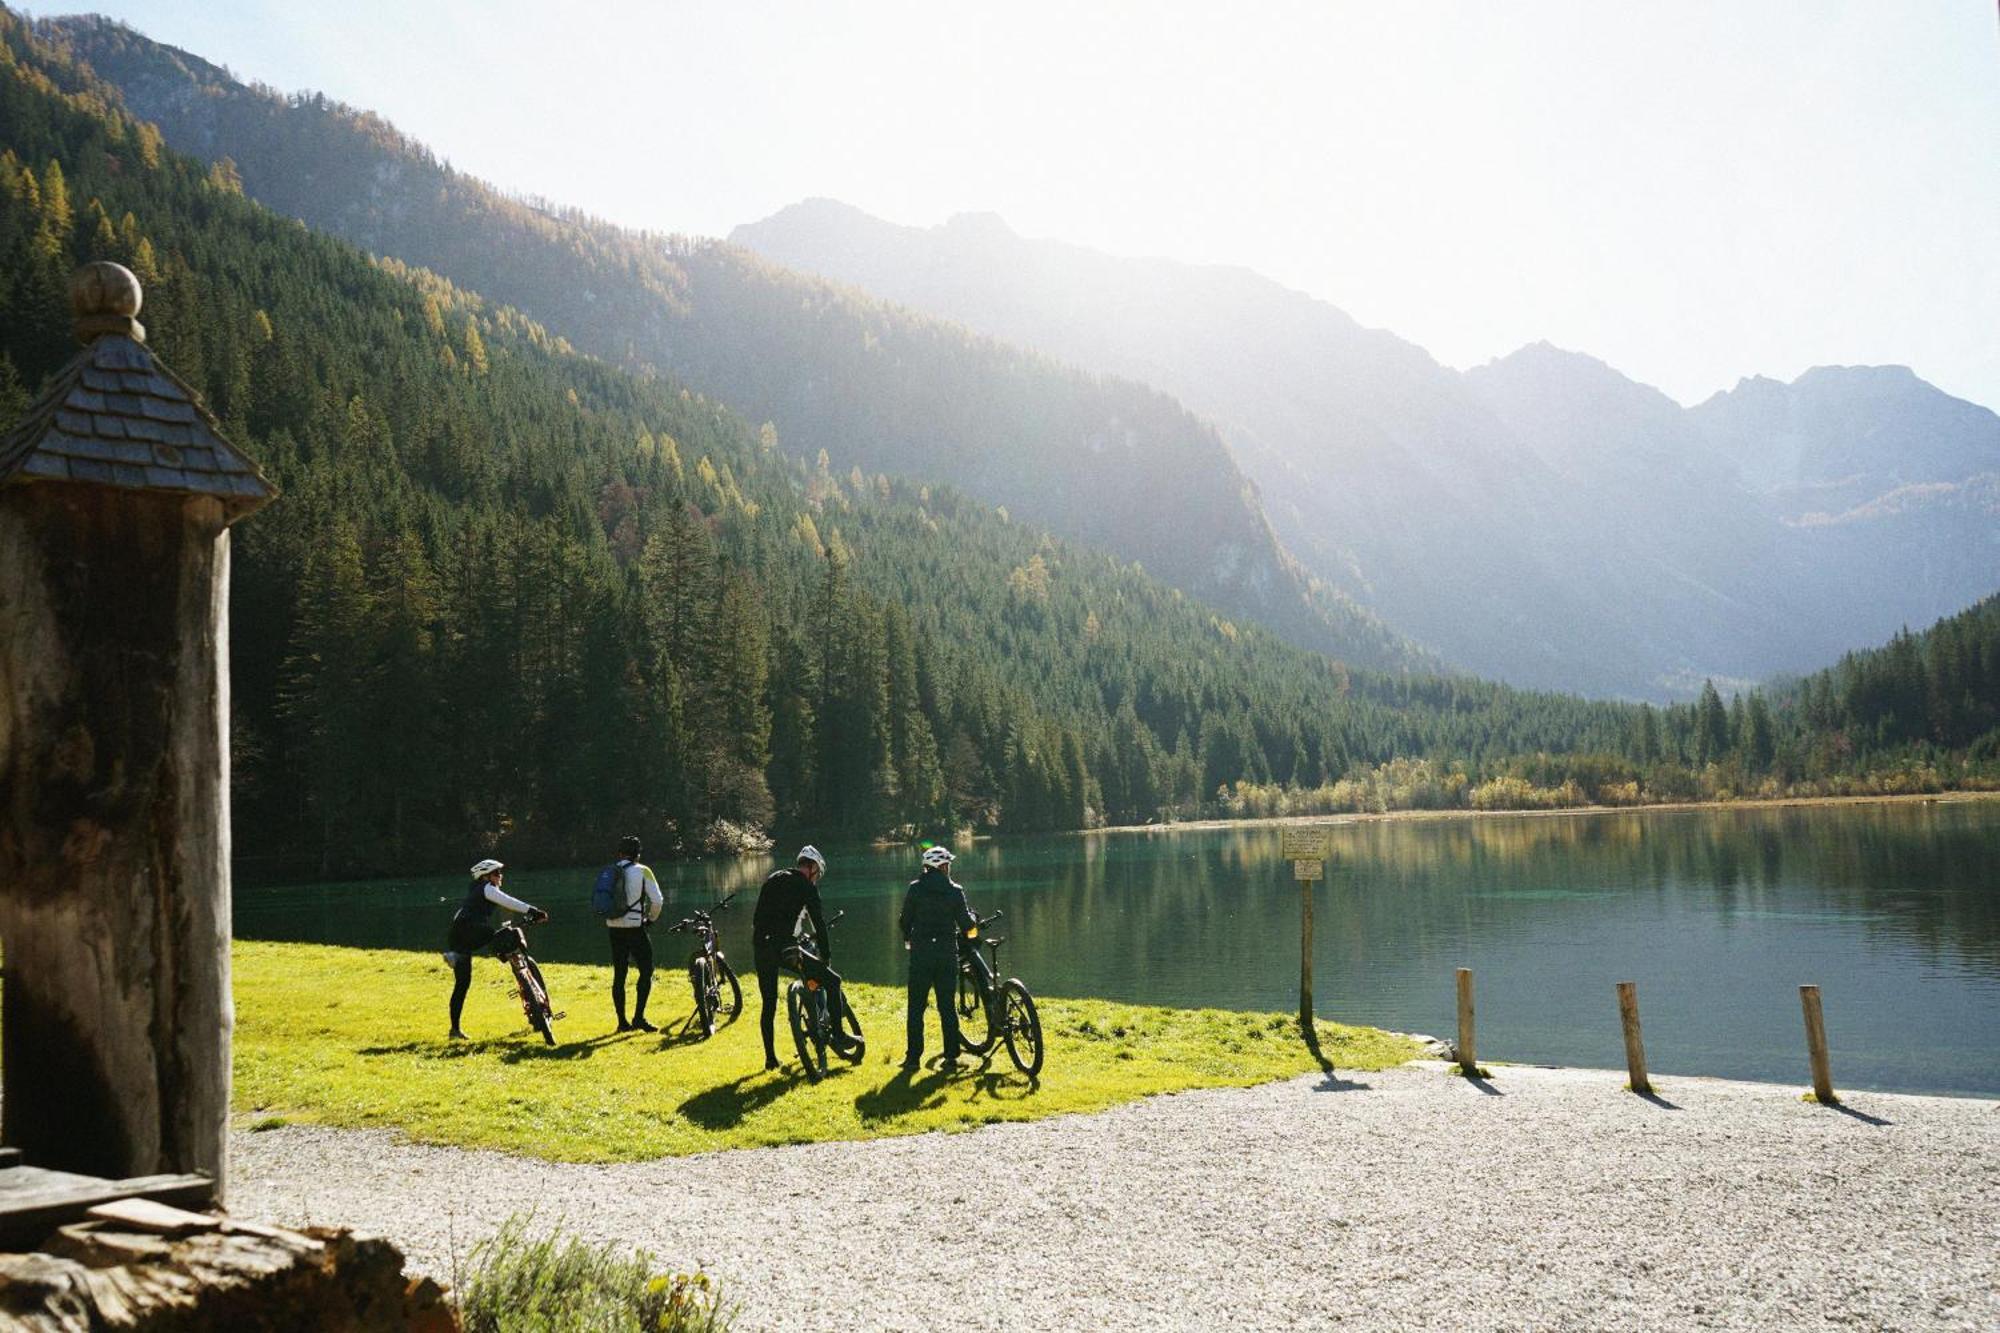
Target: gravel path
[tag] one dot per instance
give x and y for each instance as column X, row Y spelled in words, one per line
column 1547, row 1199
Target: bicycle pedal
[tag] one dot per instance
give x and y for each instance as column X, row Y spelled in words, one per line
column 559, row 1014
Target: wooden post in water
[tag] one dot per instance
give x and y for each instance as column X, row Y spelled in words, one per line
column 116, row 495
column 1635, row 1046
column 1305, row 847
column 1822, row 1068
column 1306, row 961
column 1468, row 1054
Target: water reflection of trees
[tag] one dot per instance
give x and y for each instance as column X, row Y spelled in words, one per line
column 1209, row 916
column 1910, row 872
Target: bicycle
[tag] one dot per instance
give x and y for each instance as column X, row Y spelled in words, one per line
column 813, row 1029
column 528, row 981
column 1002, row 1007
column 709, row 973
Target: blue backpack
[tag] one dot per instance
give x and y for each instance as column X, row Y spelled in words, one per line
column 606, row 898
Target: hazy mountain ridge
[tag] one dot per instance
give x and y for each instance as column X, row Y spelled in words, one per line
column 1113, row 463
column 1542, row 518
column 1855, row 431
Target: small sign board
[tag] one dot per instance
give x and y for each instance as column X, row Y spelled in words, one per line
column 1306, row 842
column 1307, row 871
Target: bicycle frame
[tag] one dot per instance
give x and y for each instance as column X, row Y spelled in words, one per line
column 973, row 961
column 528, row 985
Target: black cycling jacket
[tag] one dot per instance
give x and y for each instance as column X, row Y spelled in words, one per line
column 935, row 908
column 784, row 895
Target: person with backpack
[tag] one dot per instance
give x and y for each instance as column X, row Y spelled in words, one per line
column 628, row 897
column 473, row 932
column 935, row 914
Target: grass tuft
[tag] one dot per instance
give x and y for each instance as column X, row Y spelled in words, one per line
column 524, row 1283
column 354, row 1038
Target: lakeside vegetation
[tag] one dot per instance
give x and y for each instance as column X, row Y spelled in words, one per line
column 516, row 599
column 352, row 1038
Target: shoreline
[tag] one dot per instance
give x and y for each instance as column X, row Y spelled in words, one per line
column 1663, row 807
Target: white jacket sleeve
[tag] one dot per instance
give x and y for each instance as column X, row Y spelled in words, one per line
column 655, row 901
column 496, row 894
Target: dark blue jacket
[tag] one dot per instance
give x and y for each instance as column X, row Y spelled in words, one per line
column 935, row 910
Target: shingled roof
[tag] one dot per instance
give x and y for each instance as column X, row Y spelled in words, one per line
column 115, row 416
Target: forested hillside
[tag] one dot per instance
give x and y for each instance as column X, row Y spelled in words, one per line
column 1112, row 463
column 515, row 597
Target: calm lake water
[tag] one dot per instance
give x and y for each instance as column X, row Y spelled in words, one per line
column 1893, row 910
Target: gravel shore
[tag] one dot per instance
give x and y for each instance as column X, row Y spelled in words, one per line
column 1543, row 1198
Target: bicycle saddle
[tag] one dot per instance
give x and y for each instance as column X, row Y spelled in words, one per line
column 996, row 940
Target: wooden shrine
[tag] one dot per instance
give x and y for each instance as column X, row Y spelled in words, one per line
column 117, row 492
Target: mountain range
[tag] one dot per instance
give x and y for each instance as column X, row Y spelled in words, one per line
column 1542, row 518
column 1106, row 460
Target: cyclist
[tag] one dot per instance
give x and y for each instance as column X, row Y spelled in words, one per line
column 935, row 915
column 472, row 929
column 639, row 892
column 783, row 896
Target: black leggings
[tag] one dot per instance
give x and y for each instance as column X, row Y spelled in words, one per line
column 469, row 936
column 769, row 955
column 630, row 944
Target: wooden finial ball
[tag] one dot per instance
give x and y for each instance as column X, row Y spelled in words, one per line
column 104, row 288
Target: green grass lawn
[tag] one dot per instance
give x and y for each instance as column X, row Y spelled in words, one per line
column 354, row 1038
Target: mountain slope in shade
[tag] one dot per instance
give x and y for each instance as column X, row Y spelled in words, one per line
column 1113, row 463
column 1542, row 518
column 1377, row 466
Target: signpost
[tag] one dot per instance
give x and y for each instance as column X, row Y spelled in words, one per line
column 1306, row 847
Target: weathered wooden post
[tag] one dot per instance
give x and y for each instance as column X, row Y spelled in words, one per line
column 1822, row 1067
column 1635, row 1045
column 1468, row 1052
column 1306, row 847
column 116, row 496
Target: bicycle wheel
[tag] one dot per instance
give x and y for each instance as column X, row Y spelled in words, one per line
column 535, row 1000
column 850, row 1023
column 729, row 991
column 1022, row 1027
column 975, row 1022
column 796, row 1012
column 704, row 994
column 969, row 1001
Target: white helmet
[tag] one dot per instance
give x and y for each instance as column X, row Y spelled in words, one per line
column 936, row 858
column 484, row 868
column 811, row 853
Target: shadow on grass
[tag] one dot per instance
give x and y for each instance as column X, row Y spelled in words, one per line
column 727, row 1104
column 901, row 1095
column 525, row 1052
column 434, row 1050
column 511, row 1050
column 1310, row 1031
column 1003, row 1085
column 687, row 1034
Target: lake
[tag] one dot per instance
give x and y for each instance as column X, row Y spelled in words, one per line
column 1718, row 915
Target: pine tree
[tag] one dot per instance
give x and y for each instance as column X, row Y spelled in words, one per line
column 1711, row 728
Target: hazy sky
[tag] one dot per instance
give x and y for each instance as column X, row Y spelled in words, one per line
column 1693, row 192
